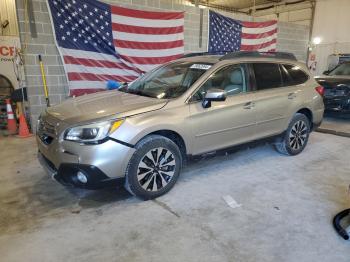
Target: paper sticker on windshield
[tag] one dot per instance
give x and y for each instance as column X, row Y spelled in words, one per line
column 200, row 66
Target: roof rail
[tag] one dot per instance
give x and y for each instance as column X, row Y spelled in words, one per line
column 195, row 54
column 239, row 54
column 205, row 53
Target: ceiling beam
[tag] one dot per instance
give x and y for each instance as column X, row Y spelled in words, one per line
column 279, row 7
column 219, row 7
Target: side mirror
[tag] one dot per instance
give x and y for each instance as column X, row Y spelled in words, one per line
column 213, row 94
column 325, row 72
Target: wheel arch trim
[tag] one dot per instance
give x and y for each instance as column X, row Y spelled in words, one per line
column 171, row 134
column 308, row 113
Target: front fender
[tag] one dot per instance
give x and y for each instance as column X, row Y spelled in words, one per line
column 137, row 127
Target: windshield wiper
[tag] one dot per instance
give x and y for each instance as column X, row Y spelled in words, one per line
column 123, row 87
column 137, row 92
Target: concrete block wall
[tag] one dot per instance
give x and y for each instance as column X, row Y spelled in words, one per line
column 43, row 44
column 293, row 38
column 290, row 38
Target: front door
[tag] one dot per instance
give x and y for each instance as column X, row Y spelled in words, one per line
column 225, row 123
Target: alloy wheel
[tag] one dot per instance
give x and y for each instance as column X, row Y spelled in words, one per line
column 298, row 135
column 156, row 169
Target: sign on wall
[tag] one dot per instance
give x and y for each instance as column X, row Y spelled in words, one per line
column 8, row 45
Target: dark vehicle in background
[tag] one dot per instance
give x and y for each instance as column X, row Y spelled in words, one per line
column 337, row 88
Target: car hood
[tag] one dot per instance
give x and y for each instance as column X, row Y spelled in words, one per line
column 103, row 105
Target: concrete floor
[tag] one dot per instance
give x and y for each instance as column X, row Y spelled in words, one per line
column 287, row 207
column 333, row 124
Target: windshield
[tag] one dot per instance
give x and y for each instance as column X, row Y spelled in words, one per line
column 169, row 81
column 341, row 70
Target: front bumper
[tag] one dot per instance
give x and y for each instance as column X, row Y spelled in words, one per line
column 66, row 174
column 103, row 164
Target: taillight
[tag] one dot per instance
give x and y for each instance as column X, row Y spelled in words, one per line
column 320, row 90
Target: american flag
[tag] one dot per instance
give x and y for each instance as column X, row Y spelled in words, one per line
column 100, row 42
column 227, row 34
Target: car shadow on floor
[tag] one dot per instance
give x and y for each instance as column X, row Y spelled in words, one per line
column 84, row 197
column 27, row 205
column 97, row 198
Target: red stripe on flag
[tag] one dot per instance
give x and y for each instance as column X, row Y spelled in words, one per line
column 96, row 63
column 150, row 60
column 258, row 24
column 147, row 30
column 148, row 45
column 257, row 47
column 72, row 76
column 258, row 36
column 146, row 14
column 80, row 92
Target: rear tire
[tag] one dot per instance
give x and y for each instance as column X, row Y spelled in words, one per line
column 295, row 139
column 154, row 167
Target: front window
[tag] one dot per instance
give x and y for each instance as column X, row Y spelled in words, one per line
column 341, row 70
column 169, row 81
column 231, row 79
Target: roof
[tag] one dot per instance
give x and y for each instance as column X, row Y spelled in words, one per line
column 241, row 56
column 213, row 59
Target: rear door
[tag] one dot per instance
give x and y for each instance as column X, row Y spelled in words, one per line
column 273, row 101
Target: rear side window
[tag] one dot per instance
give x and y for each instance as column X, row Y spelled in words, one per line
column 267, row 75
column 296, row 75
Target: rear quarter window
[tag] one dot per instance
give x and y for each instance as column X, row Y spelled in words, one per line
column 296, row 75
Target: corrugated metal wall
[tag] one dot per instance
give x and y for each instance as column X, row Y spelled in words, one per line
column 8, row 12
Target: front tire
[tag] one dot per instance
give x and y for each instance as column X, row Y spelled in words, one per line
column 154, row 167
column 296, row 137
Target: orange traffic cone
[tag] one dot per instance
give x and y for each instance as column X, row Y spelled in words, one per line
column 23, row 128
column 11, row 122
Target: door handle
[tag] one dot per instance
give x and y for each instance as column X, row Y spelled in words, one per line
column 248, row 105
column 292, row 95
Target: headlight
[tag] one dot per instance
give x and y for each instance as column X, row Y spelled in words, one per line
column 92, row 133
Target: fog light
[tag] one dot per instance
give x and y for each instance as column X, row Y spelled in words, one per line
column 81, row 177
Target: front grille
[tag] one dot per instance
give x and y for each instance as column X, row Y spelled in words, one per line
column 46, row 127
column 46, row 131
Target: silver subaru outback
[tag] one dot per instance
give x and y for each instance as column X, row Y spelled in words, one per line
column 141, row 134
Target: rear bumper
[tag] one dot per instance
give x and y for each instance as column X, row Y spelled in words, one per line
column 337, row 104
column 317, row 118
column 66, row 174
column 316, row 125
